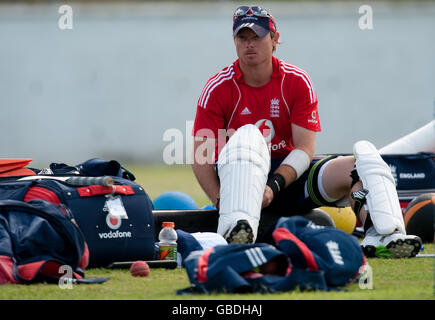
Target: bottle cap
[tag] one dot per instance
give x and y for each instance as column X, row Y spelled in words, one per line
column 168, row 224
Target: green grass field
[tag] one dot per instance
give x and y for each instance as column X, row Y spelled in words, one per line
column 410, row 279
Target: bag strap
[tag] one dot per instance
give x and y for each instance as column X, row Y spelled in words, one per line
column 282, row 234
column 90, row 191
column 126, row 174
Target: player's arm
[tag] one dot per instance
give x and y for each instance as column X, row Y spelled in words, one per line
column 295, row 163
column 293, row 166
column 210, row 115
column 203, row 167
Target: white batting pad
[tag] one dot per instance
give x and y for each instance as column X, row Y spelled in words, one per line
column 382, row 199
column 420, row 140
column 243, row 165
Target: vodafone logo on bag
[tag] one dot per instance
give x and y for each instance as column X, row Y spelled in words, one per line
column 113, row 222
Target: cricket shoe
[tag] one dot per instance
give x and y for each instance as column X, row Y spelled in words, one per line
column 395, row 245
column 241, row 233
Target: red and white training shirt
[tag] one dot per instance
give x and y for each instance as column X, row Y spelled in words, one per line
column 227, row 102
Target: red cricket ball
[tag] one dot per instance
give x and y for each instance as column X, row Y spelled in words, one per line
column 139, row 269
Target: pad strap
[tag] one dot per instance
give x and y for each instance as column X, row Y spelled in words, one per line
column 360, row 198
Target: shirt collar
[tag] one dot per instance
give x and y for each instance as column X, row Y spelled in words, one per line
column 275, row 65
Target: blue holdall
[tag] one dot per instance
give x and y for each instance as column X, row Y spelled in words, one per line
column 414, row 175
column 314, row 247
column 306, row 256
column 246, row 268
column 39, row 242
column 110, row 238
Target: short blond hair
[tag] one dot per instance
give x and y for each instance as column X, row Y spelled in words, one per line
column 272, row 36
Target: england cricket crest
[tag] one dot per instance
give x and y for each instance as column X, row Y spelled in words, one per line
column 274, row 108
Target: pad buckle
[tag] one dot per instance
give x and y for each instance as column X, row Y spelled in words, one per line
column 360, row 198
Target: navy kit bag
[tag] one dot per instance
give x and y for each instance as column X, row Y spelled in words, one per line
column 414, row 175
column 315, row 247
column 246, row 268
column 38, row 242
column 116, row 220
column 307, row 256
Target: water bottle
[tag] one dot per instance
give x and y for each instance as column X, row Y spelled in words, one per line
column 168, row 242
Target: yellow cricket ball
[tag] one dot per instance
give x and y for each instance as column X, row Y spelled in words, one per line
column 344, row 218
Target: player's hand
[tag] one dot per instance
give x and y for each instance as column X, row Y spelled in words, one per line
column 267, row 197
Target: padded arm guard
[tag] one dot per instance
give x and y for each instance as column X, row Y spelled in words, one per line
column 382, row 199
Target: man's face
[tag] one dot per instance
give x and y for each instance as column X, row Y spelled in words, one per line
column 251, row 49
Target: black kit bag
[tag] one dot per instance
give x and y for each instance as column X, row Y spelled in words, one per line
column 110, row 238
